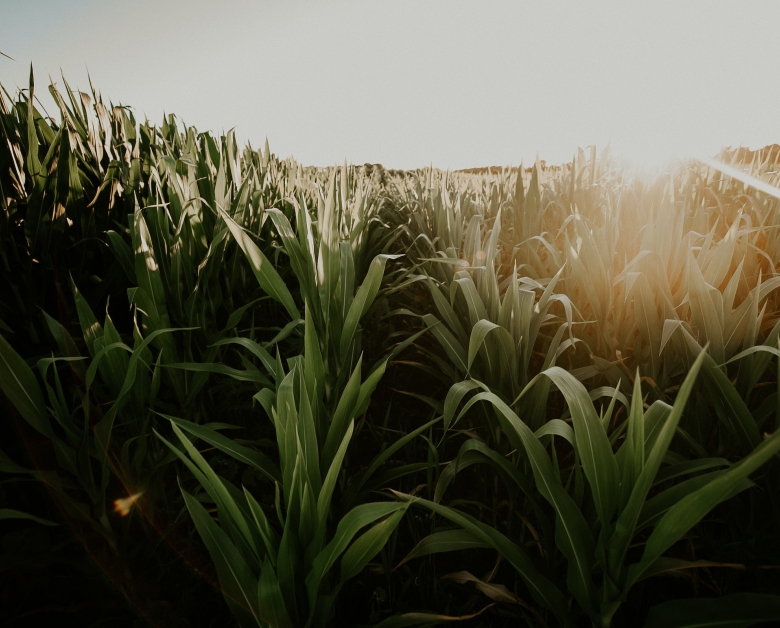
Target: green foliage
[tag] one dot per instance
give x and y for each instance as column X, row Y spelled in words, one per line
column 280, row 575
column 355, row 396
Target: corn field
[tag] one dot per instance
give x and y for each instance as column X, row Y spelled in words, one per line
column 240, row 391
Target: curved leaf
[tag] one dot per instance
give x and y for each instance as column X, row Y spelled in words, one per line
column 445, row 541
column 266, row 274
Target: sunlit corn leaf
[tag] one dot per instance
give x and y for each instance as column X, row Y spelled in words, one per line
column 266, row 274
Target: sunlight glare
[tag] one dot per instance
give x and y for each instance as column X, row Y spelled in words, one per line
column 123, row 505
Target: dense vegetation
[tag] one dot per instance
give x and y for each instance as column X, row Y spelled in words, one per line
column 238, row 390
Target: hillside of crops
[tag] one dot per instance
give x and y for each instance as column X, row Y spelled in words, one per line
column 243, row 391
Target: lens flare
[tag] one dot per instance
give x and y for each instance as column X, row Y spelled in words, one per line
column 125, row 504
column 747, row 179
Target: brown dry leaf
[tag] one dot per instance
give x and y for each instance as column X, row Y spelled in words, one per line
column 496, row 592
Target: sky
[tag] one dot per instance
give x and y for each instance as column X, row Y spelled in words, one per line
column 409, row 83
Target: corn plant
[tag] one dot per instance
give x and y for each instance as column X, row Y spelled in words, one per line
column 595, row 528
column 82, row 472
column 485, row 315
column 125, row 379
column 280, row 575
column 325, row 267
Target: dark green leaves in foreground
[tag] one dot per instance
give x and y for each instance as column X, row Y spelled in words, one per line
column 631, row 471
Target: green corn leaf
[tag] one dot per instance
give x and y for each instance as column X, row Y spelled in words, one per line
column 634, row 458
column 268, row 362
column 33, row 159
column 235, row 316
column 593, row 446
column 7, row 465
column 329, row 260
column 658, row 505
column 123, row 254
column 215, row 367
column 266, row 274
column 90, row 327
column 476, row 452
column 347, row 279
column 478, row 335
column 572, row 533
column 329, row 484
column 285, row 332
column 396, row 350
column 267, row 399
column 636, row 429
column 241, row 453
column 628, row 518
column 690, row 509
column 288, row 564
column 367, row 389
column 540, row 390
column 348, row 527
column 474, row 302
column 556, row 427
column 127, row 384
column 704, row 311
column 301, row 265
column 307, row 437
column 655, row 419
column 368, row 545
column 445, row 541
column 454, row 397
column 543, row 591
column 446, row 312
column 10, row 513
column 115, row 363
column 147, row 271
column 363, row 299
column 271, row 604
column 606, row 420
column 342, row 417
column 687, row 467
column 238, row 584
column 386, row 477
column 647, row 321
column 354, row 489
column 730, row 407
column 308, row 523
column 314, row 371
column 267, row 533
column 454, row 350
column 20, row 385
column 671, row 566
column 229, row 509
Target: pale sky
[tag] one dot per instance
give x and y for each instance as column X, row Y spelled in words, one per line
column 408, row 83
